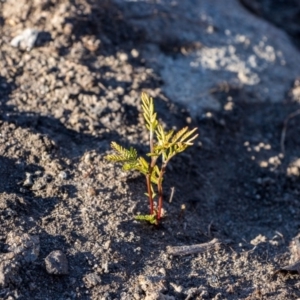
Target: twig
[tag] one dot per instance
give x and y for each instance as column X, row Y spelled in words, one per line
column 283, row 133
column 172, row 194
column 214, row 244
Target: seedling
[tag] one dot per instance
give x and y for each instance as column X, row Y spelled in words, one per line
column 164, row 145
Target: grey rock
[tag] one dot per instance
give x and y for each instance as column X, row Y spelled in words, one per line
column 57, row 263
column 219, row 47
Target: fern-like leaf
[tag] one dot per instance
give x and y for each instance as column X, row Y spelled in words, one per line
column 148, row 218
column 155, row 175
column 127, row 156
column 179, row 134
column 142, row 165
column 148, row 112
column 188, row 134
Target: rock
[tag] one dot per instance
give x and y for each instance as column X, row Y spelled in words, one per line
column 91, row 280
column 26, row 40
column 63, row 175
column 294, row 168
column 25, row 246
column 258, row 240
column 225, row 47
column 28, row 181
column 295, row 91
column 56, row 263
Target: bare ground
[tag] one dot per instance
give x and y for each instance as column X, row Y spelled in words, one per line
column 62, row 104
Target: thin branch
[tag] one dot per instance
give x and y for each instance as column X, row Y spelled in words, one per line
column 214, row 244
column 172, row 194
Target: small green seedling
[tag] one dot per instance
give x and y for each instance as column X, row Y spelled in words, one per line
column 165, row 145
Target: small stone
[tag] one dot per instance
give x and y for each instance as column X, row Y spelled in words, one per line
column 257, row 240
column 123, row 57
column 26, row 40
column 87, row 158
column 63, row 175
column 106, row 245
column 134, row 53
column 263, row 164
column 28, row 181
column 91, row 280
column 56, row 263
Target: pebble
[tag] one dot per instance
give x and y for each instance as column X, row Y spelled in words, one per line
column 63, row 175
column 91, row 280
column 26, row 40
column 134, row 53
column 28, row 181
column 57, row 263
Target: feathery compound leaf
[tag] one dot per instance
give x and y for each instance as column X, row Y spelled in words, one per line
column 142, row 165
column 188, row 134
column 155, row 175
column 179, row 134
column 163, row 140
column 123, row 155
column 128, row 166
column 169, row 135
column 148, row 112
column 148, row 218
column 160, row 134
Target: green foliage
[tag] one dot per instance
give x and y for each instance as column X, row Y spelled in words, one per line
column 166, row 146
column 148, row 112
column 127, row 157
column 148, row 218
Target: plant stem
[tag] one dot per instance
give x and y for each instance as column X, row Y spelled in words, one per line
column 148, row 176
column 149, row 190
column 160, row 190
column 151, row 141
column 148, row 180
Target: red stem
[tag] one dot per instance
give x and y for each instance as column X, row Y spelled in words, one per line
column 160, row 201
column 149, row 193
column 160, row 190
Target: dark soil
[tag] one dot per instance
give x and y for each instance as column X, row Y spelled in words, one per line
column 62, row 104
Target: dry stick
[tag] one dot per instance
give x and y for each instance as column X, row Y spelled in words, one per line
column 214, row 244
column 292, row 115
column 172, row 194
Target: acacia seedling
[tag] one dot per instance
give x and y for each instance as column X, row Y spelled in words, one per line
column 164, row 145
